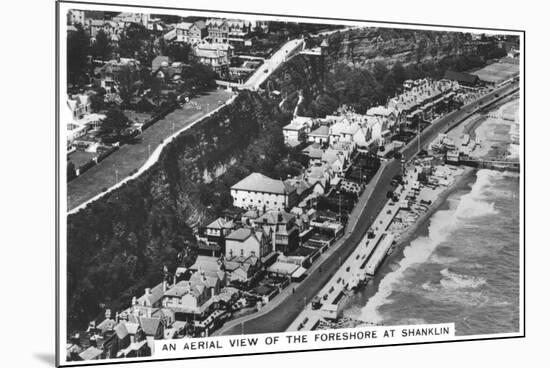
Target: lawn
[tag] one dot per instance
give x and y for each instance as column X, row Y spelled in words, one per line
column 130, row 157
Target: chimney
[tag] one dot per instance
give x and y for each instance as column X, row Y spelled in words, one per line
column 134, row 300
column 148, row 312
column 107, row 314
column 147, row 291
column 164, row 286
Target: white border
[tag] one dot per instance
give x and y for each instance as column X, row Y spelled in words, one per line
column 64, row 7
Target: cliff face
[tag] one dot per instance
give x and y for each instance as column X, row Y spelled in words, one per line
column 364, row 67
column 119, row 244
column 363, row 48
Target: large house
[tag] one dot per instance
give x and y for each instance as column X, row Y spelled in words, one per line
column 283, row 227
column 227, row 30
column 258, row 191
column 216, row 55
column 192, row 33
column 247, row 242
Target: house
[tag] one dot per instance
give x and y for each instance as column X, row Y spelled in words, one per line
column 241, row 270
column 303, row 187
column 191, row 32
column 258, row 191
column 76, row 17
column 247, row 242
column 294, row 134
column 320, row 135
column 92, row 353
column 210, row 267
column 159, row 61
column 282, row 226
column 216, row 55
column 346, row 131
column 152, row 297
column 79, row 105
column 108, row 75
column 321, row 173
column 212, row 240
column 198, row 32
column 227, row 30
column 219, row 228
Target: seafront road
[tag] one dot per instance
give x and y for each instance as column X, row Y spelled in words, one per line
column 277, row 317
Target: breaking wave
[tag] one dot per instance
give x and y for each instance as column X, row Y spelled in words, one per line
column 420, row 250
column 455, row 281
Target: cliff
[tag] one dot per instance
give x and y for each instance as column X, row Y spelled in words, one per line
column 118, row 245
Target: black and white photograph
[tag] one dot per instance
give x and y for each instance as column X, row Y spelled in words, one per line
column 235, row 183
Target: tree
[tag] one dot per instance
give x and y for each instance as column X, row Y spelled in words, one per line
column 97, row 100
column 77, row 52
column 71, row 171
column 101, row 48
column 178, row 52
column 114, row 123
column 389, row 194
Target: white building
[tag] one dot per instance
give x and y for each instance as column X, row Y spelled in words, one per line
column 258, row 191
column 247, row 242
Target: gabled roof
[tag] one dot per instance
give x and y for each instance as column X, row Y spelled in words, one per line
column 153, row 297
column 149, row 325
column 184, row 25
column 240, row 234
column 107, row 324
column 91, row 353
column 221, row 223
column 201, row 24
column 322, row 131
column 121, row 330
column 260, row 183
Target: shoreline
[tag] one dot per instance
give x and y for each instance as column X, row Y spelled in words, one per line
column 439, row 200
column 405, row 237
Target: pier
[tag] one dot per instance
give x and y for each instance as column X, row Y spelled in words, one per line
column 499, row 165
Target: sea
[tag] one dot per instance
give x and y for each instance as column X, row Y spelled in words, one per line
column 461, row 265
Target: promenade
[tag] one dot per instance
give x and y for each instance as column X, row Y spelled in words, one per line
column 279, row 318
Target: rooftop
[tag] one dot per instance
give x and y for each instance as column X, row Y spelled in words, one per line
column 257, row 182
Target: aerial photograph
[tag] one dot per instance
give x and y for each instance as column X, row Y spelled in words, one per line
column 233, row 174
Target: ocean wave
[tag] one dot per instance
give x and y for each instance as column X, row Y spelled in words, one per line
column 421, row 249
column 473, row 204
column 455, row 281
column 442, row 259
column 418, row 251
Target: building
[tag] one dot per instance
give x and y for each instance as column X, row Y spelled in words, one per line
column 294, row 134
column 108, row 75
column 347, row 131
column 76, row 17
column 319, row 135
column 463, row 79
column 247, row 242
column 192, row 33
column 282, row 226
column 216, row 55
column 227, row 30
column 258, row 191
